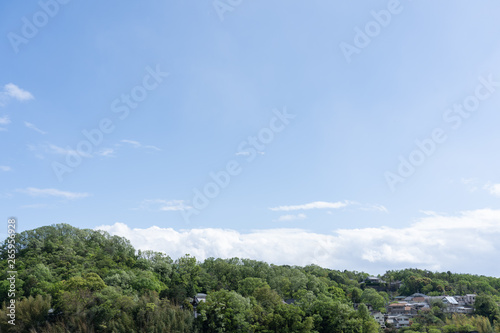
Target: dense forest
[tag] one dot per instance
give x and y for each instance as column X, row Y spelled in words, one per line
column 74, row 280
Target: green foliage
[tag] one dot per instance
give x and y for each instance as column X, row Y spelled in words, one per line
column 371, row 296
column 93, row 282
column 436, row 283
column 30, row 313
column 487, row 307
column 225, row 311
column 248, row 285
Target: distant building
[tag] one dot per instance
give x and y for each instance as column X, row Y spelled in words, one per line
column 464, row 310
column 196, row 300
column 200, row 297
column 457, row 304
column 470, row 299
column 402, row 308
column 417, row 298
column 398, row 321
column 373, row 280
column 450, row 301
column 380, row 318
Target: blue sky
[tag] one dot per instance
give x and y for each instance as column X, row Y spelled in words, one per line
column 312, row 106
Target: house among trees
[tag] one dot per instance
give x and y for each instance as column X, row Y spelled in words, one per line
column 417, row 298
column 398, row 321
column 380, row 318
column 196, row 300
column 373, row 280
column 456, row 304
column 402, row 308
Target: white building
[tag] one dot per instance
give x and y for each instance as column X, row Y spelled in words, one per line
column 470, row 299
column 399, row 321
column 380, row 318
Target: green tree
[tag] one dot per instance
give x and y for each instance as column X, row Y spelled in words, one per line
column 371, row 296
column 225, row 311
column 487, row 307
column 248, row 285
column 31, row 314
column 356, row 295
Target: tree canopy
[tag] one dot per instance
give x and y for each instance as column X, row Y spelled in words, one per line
column 74, row 280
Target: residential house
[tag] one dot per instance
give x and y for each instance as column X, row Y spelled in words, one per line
column 373, row 280
column 200, row 297
column 401, row 308
column 195, row 301
column 467, row 300
column 380, row 318
column 395, row 309
column 399, row 321
column 464, row 310
column 470, row 299
column 420, row 306
column 451, row 304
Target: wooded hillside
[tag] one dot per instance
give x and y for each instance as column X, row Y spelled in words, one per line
column 73, row 280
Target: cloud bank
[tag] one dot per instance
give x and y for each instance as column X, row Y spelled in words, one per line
column 466, row 242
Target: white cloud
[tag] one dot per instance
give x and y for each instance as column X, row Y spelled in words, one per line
column 332, row 205
column 137, row 144
column 50, row 192
column 470, row 183
column 247, row 153
column 11, row 91
column 106, row 152
column 376, row 208
column 466, row 242
column 242, row 153
column 291, row 217
column 494, row 189
column 51, row 148
column 111, row 152
column 164, row 205
column 312, row 205
column 5, row 168
column 429, row 212
column 54, row 149
column 467, row 181
column 34, row 206
column 33, row 127
column 17, row 93
column 4, row 120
